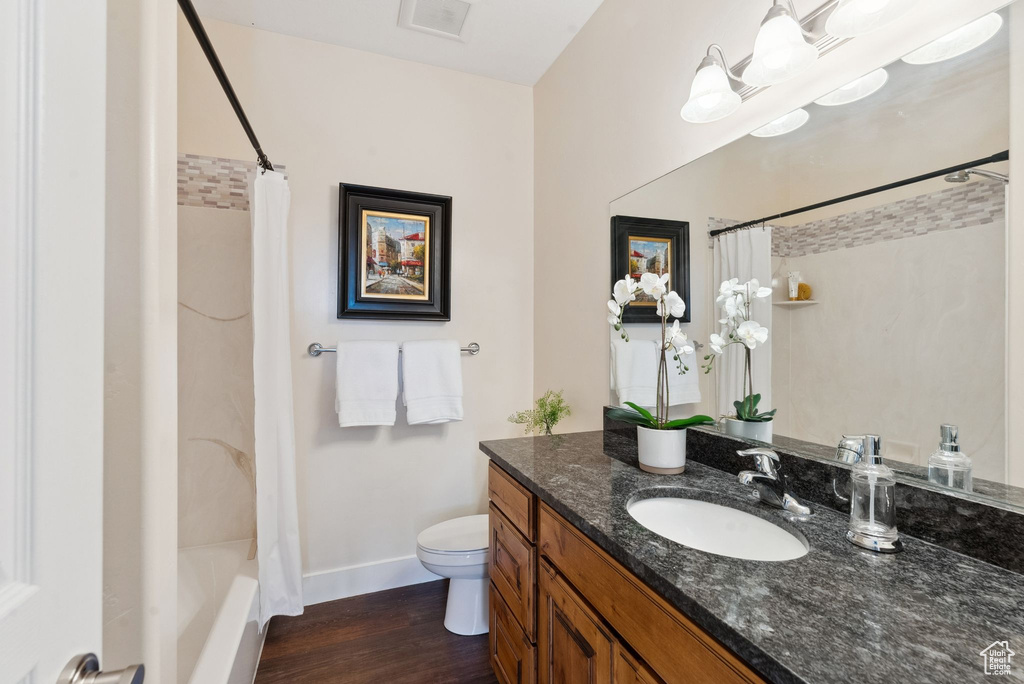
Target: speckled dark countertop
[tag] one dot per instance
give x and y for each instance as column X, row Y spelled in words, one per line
column 839, row 614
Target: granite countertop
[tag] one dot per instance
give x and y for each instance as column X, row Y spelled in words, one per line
column 838, row 614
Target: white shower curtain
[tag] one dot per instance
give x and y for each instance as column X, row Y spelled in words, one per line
column 744, row 254
column 277, row 519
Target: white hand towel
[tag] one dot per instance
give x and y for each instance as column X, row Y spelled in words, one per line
column 367, row 383
column 635, row 371
column 432, row 381
column 685, row 388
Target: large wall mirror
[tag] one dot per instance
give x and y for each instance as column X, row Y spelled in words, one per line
column 905, row 326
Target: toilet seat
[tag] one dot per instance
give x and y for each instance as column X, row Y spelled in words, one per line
column 465, row 536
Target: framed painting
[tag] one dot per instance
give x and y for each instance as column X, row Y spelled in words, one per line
column 646, row 245
column 394, row 254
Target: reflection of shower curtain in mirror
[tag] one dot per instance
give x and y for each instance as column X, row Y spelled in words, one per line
column 277, row 520
column 744, row 254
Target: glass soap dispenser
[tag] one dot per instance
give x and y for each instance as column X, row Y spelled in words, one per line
column 873, row 501
column 949, row 466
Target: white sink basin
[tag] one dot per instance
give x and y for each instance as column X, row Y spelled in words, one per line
column 717, row 529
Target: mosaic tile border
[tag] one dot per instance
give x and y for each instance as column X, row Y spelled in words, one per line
column 975, row 204
column 215, row 182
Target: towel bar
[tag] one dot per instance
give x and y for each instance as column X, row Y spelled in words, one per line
column 316, row 349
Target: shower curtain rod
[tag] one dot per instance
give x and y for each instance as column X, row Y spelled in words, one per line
column 211, row 55
column 998, row 157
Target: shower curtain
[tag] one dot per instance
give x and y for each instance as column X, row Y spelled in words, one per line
column 744, row 254
column 277, row 520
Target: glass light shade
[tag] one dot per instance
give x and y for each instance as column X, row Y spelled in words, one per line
column 958, row 42
column 853, row 18
column 784, row 124
column 780, row 52
column 711, row 96
column 855, row 90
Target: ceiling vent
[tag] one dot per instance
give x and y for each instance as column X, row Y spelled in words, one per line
column 444, row 18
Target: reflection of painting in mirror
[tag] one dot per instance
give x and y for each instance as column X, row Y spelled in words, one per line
column 907, row 329
column 649, row 255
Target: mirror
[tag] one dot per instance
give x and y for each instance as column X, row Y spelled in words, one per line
column 893, row 211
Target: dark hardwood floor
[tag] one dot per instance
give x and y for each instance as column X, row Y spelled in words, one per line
column 392, row 636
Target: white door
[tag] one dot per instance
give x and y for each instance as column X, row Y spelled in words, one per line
column 52, row 123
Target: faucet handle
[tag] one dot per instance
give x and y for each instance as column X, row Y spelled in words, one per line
column 850, row 449
column 765, row 460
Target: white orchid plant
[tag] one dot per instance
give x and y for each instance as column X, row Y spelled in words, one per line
column 673, row 340
column 735, row 299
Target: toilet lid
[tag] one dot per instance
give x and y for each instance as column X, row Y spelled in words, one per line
column 457, row 535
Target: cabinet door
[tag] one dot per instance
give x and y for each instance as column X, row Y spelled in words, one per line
column 512, row 654
column 573, row 645
column 629, row 670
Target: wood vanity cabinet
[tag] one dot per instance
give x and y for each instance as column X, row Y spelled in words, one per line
column 562, row 611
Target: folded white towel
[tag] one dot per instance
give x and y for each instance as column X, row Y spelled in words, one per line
column 685, row 388
column 367, row 383
column 432, row 381
column 635, row 371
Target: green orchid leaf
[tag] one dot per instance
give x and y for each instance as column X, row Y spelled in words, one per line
column 688, row 422
column 631, row 417
column 641, row 410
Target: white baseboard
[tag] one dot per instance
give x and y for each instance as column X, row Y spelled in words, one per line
column 330, row 585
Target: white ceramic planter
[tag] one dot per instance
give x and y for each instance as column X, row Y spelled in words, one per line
column 761, row 432
column 661, row 451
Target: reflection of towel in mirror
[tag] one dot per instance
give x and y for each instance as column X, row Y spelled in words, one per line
column 432, row 381
column 367, row 383
column 685, row 388
column 635, row 371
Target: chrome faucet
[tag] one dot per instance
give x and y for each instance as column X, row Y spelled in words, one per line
column 770, row 482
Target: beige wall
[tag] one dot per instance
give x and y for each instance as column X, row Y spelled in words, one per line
column 1015, row 249
column 334, row 115
column 606, row 120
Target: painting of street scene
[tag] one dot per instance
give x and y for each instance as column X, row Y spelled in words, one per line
column 649, row 255
column 396, row 257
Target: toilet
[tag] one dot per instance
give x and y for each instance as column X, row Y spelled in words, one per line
column 457, row 549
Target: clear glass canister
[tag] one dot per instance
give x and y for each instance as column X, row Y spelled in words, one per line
column 873, row 501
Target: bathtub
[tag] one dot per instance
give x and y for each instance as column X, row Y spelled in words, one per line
column 218, row 607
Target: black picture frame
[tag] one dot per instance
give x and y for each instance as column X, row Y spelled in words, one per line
column 385, row 288
column 677, row 236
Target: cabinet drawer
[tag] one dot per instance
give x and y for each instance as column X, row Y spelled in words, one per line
column 674, row 647
column 573, row 644
column 512, row 655
column 512, row 565
column 514, row 500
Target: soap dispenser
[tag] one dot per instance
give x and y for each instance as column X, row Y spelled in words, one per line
column 873, row 501
column 949, row 466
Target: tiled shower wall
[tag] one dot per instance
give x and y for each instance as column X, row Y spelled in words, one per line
column 215, row 383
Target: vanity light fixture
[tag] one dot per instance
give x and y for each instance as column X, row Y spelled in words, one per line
column 711, row 95
column 780, row 50
column 855, row 90
column 853, row 18
column 958, row 42
column 784, row 124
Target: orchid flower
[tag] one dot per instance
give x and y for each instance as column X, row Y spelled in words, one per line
column 674, row 303
column 614, row 311
column 653, row 285
column 718, row 342
column 624, row 290
column 752, row 333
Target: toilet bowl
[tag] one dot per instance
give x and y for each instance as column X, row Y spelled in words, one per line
column 457, row 549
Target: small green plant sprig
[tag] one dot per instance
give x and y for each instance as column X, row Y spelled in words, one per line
column 549, row 410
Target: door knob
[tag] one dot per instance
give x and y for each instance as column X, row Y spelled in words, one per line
column 85, row 669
